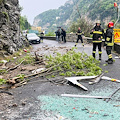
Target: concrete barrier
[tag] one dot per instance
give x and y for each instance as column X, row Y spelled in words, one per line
column 69, row 37
column 73, row 37
column 49, row 37
column 117, row 47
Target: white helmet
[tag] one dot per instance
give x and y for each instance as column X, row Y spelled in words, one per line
column 98, row 21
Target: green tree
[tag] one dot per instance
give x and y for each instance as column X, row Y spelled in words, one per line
column 85, row 26
column 24, row 24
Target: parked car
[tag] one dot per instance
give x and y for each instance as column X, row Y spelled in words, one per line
column 33, row 38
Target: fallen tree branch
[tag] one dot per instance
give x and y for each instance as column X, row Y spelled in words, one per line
column 48, row 80
column 52, row 81
column 6, row 92
column 27, row 76
column 25, row 81
column 15, row 66
column 19, row 84
column 113, row 94
column 5, row 87
column 44, row 74
column 4, row 66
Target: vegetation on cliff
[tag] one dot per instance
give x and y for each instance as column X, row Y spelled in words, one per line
column 91, row 10
column 24, row 24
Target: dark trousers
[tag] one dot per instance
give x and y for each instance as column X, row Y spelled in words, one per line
column 64, row 39
column 79, row 38
column 41, row 38
column 108, row 50
column 99, row 49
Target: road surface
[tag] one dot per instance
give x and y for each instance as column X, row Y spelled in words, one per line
column 43, row 101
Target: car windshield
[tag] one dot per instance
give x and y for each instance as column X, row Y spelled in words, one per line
column 31, row 35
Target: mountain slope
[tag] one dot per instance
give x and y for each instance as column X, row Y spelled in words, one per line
column 56, row 16
column 64, row 15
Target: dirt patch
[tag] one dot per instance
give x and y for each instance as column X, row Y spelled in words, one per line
column 5, row 101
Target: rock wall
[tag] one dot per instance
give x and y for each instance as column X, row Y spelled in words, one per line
column 10, row 38
column 70, row 37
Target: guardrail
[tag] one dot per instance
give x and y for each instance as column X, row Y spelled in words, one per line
column 50, row 37
column 73, row 38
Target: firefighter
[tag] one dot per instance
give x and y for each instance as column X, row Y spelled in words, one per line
column 109, row 41
column 98, row 34
column 79, row 33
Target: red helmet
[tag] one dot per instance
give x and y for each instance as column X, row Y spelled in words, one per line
column 110, row 24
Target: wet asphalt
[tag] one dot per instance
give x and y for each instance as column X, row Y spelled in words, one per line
column 28, row 94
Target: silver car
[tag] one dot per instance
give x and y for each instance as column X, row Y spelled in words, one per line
column 33, row 38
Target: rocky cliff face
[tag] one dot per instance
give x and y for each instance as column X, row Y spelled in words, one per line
column 10, row 39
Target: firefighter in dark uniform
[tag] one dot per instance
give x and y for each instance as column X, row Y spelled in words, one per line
column 98, row 34
column 109, row 41
column 79, row 33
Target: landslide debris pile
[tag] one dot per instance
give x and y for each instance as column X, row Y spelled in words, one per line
column 57, row 65
column 73, row 64
column 10, row 39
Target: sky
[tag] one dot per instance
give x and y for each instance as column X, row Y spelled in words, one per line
column 32, row 8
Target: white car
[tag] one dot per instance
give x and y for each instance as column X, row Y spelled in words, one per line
column 33, row 38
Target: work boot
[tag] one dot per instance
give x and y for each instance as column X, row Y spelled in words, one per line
column 110, row 61
column 106, row 60
column 83, row 44
column 99, row 56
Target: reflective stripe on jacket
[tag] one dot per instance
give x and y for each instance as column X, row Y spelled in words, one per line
column 98, row 34
column 109, row 37
column 79, row 32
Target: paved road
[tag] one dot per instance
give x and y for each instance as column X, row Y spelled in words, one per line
column 43, row 101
